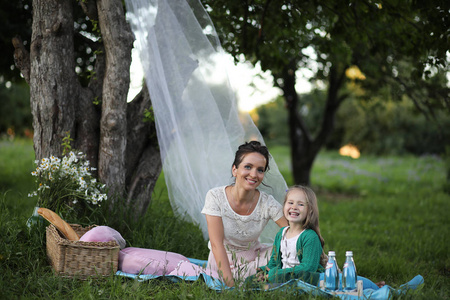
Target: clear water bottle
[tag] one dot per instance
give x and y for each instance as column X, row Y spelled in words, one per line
column 349, row 277
column 35, row 220
column 331, row 276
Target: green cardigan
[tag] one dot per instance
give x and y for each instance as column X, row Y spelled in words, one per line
column 309, row 250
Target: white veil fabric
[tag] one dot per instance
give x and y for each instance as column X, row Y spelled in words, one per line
column 198, row 124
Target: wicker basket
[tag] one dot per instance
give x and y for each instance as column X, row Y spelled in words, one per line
column 81, row 259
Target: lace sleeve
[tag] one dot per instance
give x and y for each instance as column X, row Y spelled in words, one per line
column 275, row 209
column 212, row 205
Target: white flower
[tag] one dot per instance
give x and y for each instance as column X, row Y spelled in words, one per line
column 67, row 176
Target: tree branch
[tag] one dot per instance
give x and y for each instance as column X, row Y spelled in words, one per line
column 21, row 57
column 302, row 126
column 90, row 9
column 333, row 102
column 291, row 98
column 266, row 7
column 244, row 26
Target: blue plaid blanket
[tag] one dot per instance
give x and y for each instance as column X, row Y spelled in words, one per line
column 370, row 290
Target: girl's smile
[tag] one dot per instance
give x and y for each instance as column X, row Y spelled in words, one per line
column 296, row 207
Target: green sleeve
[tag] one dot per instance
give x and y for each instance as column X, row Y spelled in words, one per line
column 278, row 275
column 309, row 252
column 275, row 257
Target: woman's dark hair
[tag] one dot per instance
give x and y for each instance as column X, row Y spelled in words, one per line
column 251, row 147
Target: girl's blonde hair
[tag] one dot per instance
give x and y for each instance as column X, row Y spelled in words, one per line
column 312, row 218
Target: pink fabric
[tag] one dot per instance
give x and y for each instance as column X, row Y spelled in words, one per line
column 148, row 261
column 186, row 268
column 243, row 263
column 103, row 234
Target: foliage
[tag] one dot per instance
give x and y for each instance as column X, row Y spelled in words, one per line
column 428, row 95
column 390, row 43
column 383, row 126
column 375, row 125
column 271, row 119
column 67, row 186
column 15, row 111
column 67, row 141
column 377, row 37
column 16, row 17
column 149, row 115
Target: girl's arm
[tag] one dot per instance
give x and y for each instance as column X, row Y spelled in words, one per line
column 216, row 236
column 311, row 249
column 274, row 257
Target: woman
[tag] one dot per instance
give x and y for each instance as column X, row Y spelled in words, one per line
column 237, row 214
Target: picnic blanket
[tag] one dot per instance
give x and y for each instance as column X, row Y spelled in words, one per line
column 383, row 293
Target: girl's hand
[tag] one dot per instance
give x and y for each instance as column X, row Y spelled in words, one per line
column 261, row 276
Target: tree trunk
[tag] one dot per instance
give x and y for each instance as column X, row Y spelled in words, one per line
column 53, row 83
column 114, row 136
column 304, row 148
column 143, row 160
column 118, row 41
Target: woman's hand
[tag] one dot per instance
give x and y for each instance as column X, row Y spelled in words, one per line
column 216, row 236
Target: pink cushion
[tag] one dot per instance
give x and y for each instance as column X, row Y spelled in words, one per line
column 103, row 234
column 148, row 261
column 186, row 268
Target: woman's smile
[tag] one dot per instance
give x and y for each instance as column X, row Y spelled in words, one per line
column 250, row 171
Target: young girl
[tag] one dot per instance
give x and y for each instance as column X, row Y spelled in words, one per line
column 298, row 248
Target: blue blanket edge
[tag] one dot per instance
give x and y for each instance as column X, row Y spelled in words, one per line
column 300, row 286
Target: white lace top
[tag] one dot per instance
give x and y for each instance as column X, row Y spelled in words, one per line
column 241, row 232
column 288, row 249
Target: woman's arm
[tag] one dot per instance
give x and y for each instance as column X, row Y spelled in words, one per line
column 216, row 235
column 282, row 222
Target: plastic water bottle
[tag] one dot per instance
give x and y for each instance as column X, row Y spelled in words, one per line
column 331, row 275
column 349, row 277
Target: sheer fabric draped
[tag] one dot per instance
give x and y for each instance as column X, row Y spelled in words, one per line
column 198, row 123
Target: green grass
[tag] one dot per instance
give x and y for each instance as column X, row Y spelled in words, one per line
column 391, row 211
column 16, row 165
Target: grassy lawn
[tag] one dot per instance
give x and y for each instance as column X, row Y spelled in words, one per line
column 391, row 211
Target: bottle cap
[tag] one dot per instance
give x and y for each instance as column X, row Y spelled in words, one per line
column 331, row 253
column 349, row 253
